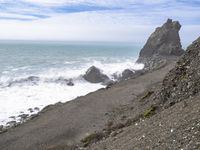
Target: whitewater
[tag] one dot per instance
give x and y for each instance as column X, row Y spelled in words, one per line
column 33, row 74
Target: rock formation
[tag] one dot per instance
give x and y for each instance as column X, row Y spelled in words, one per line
column 176, row 125
column 126, row 74
column 163, row 43
column 94, row 75
column 183, row 81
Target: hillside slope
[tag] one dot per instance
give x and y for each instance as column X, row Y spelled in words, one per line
column 167, row 116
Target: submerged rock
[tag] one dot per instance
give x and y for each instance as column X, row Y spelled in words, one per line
column 163, row 43
column 29, row 80
column 23, row 117
column 94, row 75
column 30, row 110
column 70, row 83
column 36, row 108
column 12, row 117
column 64, row 81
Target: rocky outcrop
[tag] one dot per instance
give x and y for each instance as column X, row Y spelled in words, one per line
column 163, row 43
column 94, row 75
column 126, row 74
column 183, row 81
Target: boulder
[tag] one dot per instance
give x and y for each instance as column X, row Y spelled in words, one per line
column 162, row 43
column 11, row 123
column 36, row 108
column 23, row 117
column 126, row 74
column 70, row 83
column 94, row 75
column 30, row 110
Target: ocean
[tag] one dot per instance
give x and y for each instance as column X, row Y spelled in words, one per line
column 30, row 71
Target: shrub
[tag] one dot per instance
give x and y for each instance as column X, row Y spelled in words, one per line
column 147, row 94
column 92, row 138
column 149, row 112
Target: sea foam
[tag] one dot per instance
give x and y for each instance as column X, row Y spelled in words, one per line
column 36, row 74
column 18, row 98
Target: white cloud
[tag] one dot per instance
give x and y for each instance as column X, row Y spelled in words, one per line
column 96, row 2
column 78, row 26
column 18, row 16
column 134, row 22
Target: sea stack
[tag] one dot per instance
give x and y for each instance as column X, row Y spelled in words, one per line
column 161, row 45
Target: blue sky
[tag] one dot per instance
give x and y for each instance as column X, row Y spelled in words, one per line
column 95, row 20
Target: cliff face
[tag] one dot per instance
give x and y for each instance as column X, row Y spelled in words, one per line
column 183, row 81
column 162, row 44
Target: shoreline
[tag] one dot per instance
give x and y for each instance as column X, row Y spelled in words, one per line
column 75, row 87
column 73, row 120
column 33, row 91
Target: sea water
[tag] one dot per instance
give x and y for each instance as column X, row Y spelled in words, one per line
column 30, row 71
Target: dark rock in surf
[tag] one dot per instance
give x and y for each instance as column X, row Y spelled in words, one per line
column 12, row 117
column 70, row 83
column 36, row 108
column 12, row 123
column 126, row 74
column 30, row 80
column 30, row 110
column 163, row 43
column 23, row 117
column 64, row 81
column 94, row 75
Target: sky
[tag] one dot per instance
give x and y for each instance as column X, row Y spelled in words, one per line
column 95, row 20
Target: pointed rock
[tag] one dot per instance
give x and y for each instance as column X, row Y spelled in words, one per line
column 163, row 43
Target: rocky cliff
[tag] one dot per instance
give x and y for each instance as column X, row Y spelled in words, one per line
column 162, row 44
column 183, row 81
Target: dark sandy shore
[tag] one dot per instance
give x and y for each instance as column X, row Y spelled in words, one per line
column 66, row 124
